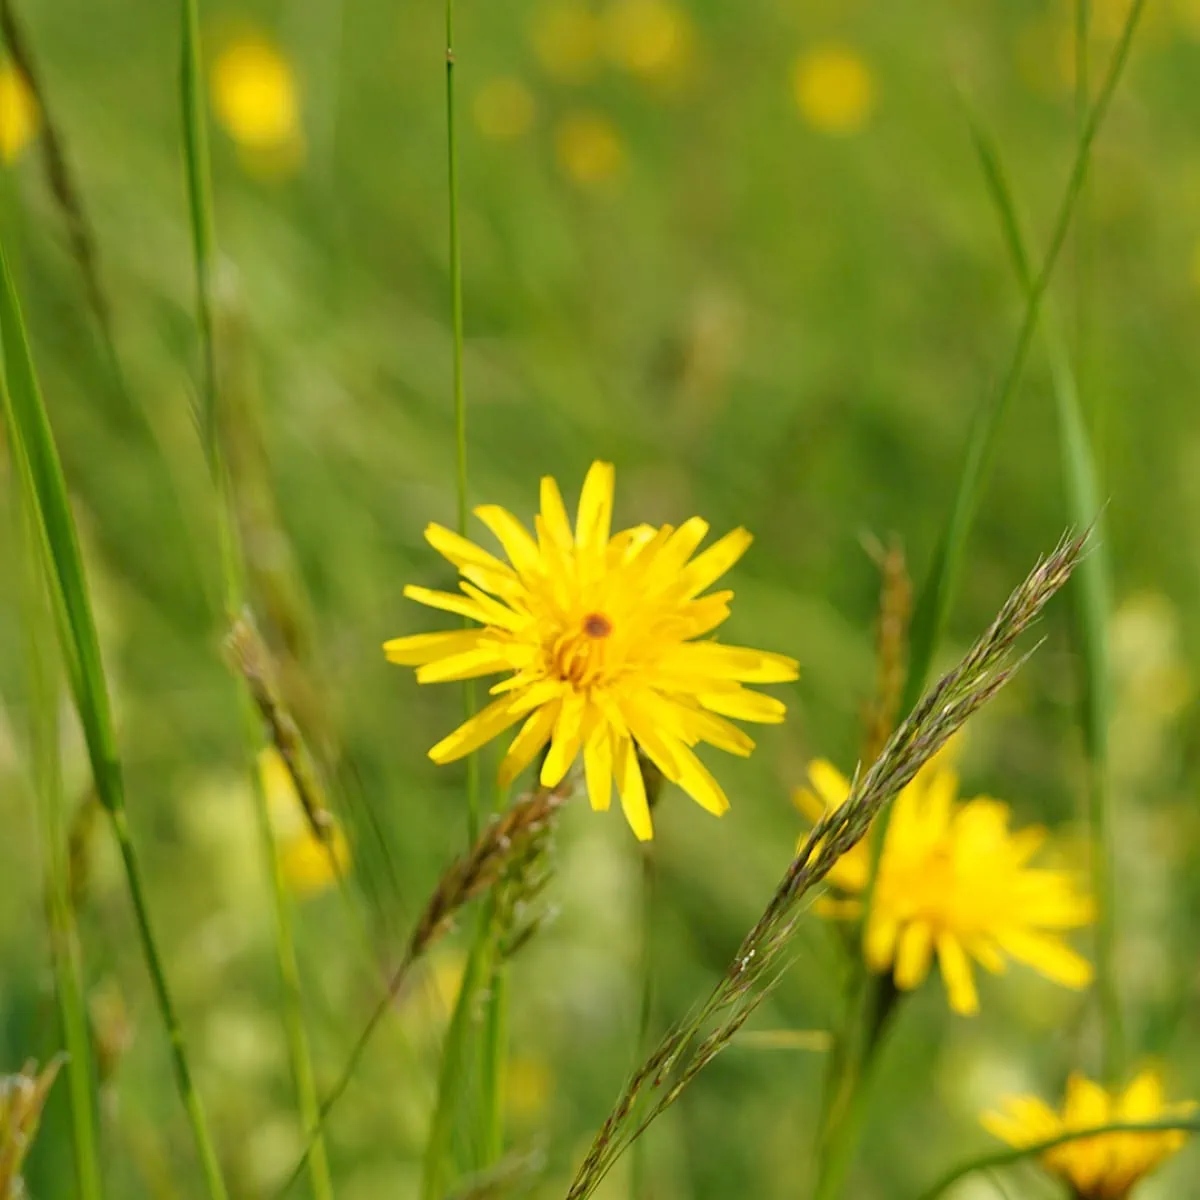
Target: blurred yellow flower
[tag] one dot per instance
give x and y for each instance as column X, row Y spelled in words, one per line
column 567, row 39
column 256, row 100
column 504, row 108
column 954, row 880
column 651, row 38
column 597, row 630
column 1108, row 1166
column 834, row 89
column 19, row 116
column 528, row 1086
column 590, row 150
column 309, row 865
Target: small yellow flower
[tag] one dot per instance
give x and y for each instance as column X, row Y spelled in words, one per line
column 309, row 865
column 597, row 630
column 567, row 40
column 504, row 108
column 1110, row 1165
column 589, row 147
column 954, row 880
column 651, row 38
column 256, row 100
column 834, row 89
column 19, row 116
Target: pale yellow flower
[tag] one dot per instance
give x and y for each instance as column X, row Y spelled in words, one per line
column 566, row 38
column 19, row 116
column 257, row 101
column 651, row 38
column 597, row 635
column 834, row 89
column 309, row 865
column 589, row 147
column 504, row 108
column 1109, row 1165
column 953, row 880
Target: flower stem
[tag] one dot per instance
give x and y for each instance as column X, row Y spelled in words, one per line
column 637, row 1161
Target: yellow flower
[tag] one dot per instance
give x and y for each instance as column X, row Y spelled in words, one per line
column 651, row 38
column 309, row 865
column 589, row 147
column 954, row 880
column 566, row 40
column 597, row 630
column 256, row 99
column 504, row 108
column 834, row 89
column 1108, row 1166
column 19, row 116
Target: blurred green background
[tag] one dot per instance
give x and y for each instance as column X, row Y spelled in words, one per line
column 745, row 253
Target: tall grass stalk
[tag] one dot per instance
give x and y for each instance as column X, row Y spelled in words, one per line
column 45, row 494
column 637, row 1162
column 195, row 141
column 64, row 935
column 1091, row 593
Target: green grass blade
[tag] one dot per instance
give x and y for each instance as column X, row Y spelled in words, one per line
column 45, row 494
column 1091, row 592
column 937, row 595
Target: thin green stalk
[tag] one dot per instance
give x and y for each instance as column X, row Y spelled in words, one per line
column 1006, row 1158
column 1091, row 593
column 64, row 935
column 292, row 1002
column 44, row 490
column 494, row 1056
column 637, row 1159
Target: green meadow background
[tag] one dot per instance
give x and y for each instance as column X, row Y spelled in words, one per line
column 750, row 260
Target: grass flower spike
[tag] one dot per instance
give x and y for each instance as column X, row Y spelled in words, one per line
column 954, row 880
column 596, row 633
column 1110, row 1165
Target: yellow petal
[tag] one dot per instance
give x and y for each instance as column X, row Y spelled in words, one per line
column 1047, row 955
column 593, row 520
column 481, row 728
column 554, row 514
column 956, row 973
column 423, row 648
column 705, row 569
column 681, row 545
column 632, row 788
column 598, row 765
column 520, row 547
column 696, row 780
column 697, row 725
column 461, row 552
column 484, row 660
column 879, row 946
column 464, row 606
column 716, row 661
column 832, row 786
column 745, row 705
column 533, row 736
column 565, row 746
column 914, row 952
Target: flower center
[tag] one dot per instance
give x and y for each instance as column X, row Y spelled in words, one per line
column 580, row 655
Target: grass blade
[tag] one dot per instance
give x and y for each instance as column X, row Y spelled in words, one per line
column 1091, row 593
column 45, row 494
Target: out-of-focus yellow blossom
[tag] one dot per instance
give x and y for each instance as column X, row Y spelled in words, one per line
column 589, row 148
column 309, row 865
column 504, row 108
column 834, row 89
column 528, row 1086
column 1109, row 1165
column 651, row 38
column 597, row 634
column 19, row 116
column 953, row 880
column 256, row 99
column 567, row 40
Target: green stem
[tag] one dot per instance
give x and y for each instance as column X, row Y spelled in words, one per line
column 209, row 1165
column 495, row 1057
column 637, row 1163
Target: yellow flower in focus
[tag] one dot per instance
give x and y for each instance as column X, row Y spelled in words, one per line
column 19, row 116
column 1110, row 1165
column 953, row 880
column 504, row 109
column 256, row 100
column 597, row 630
column 566, row 40
column 589, row 148
column 651, row 38
column 834, row 89
column 309, row 865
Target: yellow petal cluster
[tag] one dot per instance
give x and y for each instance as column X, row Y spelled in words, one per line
column 596, row 634
column 19, row 115
column 1109, row 1165
column 956, row 882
